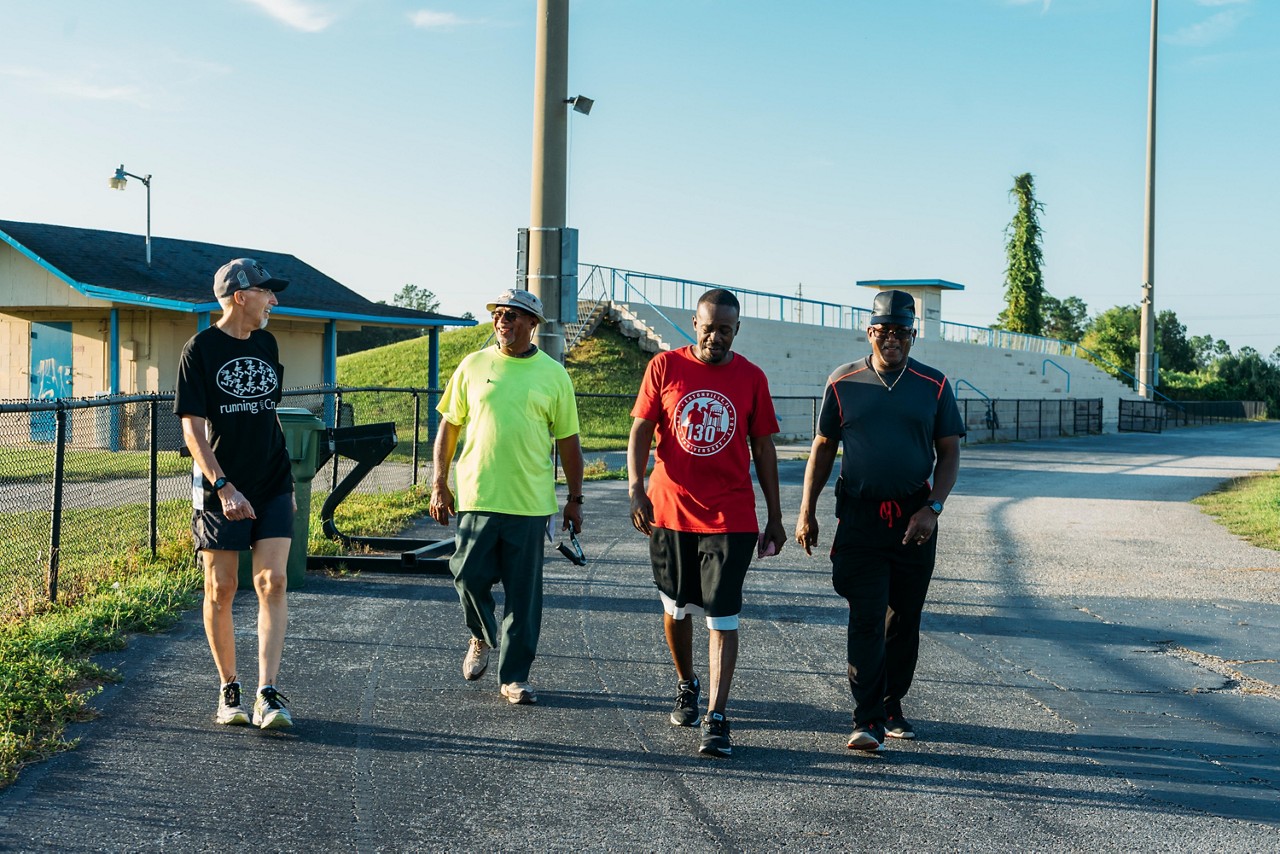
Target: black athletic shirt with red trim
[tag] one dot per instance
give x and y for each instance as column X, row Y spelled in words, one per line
column 888, row 435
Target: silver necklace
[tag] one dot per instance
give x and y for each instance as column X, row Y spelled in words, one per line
column 888, row 386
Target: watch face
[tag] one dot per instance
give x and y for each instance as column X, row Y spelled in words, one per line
column 936, row 506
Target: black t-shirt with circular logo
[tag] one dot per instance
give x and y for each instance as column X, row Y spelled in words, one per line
column 236, row 384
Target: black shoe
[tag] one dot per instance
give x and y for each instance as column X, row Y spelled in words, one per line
column 897, row 726
column 715, row 736
column 685, row 712
column 868, row 737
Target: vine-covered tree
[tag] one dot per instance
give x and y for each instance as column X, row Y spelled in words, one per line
column 1023, row 281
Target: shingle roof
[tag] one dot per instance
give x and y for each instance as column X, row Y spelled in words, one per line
column 182, row 271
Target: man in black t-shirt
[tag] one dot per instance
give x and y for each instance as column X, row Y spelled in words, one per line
column 901, row 431
column 229, row 384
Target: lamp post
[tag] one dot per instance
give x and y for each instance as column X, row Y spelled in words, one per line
column 118, row 182
column 1147, row 317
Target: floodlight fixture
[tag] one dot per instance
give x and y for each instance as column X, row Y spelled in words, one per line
column 581, row 104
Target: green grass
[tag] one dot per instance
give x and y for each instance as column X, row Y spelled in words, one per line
column 46, row 676
column 33, row 463
column 1248, row 507
column 606, row 363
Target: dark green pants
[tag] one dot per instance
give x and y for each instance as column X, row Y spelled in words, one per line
column 499, row 547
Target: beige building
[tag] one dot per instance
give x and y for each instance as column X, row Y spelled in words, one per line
column 83, row 314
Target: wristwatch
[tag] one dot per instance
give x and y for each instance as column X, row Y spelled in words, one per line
column 575, row 499
column 936, row 507
column 219, row 483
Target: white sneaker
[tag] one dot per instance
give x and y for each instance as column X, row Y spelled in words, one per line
column 476, row 661
column 519, row 693
column 269, row 711
column 230, row 712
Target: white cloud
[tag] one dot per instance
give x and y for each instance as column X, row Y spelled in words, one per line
column 77, row 88
column 1215, row 28
column 296, row 14
column 427, row 20
column 1221, row 2
column 1044, row 4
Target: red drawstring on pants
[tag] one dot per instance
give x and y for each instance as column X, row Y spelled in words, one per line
column 889, row 510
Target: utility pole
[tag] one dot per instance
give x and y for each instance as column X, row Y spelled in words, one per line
column 550, row 134
column 1147, row 335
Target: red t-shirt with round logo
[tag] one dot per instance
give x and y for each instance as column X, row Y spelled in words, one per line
column 705, row 414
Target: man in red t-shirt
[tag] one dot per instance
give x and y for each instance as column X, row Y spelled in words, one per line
column 712, row 413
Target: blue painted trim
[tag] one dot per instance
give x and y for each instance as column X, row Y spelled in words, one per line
column 433, row 381
column 113, row 360
column 40, row 262
column 329, row 364
column 202, row 321
column 127, row 298
column 887, row 284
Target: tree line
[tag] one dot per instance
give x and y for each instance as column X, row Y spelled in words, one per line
column 1191, row 367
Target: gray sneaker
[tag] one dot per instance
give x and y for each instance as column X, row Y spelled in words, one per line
column 269, row 710
column 476, row 661
column 519, row 693
column 230, row 712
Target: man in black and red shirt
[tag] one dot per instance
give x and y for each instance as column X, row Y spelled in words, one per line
column 229, row 384
column 901, row 431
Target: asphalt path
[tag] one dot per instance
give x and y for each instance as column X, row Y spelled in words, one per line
column 1098, row 671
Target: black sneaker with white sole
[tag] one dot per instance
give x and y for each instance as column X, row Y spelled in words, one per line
column 868, row 737
column 685, row 711
column 715, row 736
column 897, row 726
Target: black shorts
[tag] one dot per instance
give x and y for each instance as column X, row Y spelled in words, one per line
column 216, row 532
column 702, row 573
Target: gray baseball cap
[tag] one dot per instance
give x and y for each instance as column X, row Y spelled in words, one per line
column 242, row 274
column 523, row 300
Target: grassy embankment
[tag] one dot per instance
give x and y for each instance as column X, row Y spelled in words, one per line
column 46, row 675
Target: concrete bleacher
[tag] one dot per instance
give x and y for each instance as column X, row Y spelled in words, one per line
column 798, row 358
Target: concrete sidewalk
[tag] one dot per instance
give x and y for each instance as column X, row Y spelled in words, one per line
column 1097, row 672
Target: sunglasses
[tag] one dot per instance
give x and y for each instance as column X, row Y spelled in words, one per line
column 509, row 316
column 901, row 334
column 573, row 549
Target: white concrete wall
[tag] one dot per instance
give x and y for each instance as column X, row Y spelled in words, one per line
column 798, row 358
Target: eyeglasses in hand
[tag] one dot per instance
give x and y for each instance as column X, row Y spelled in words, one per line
column 572, row 551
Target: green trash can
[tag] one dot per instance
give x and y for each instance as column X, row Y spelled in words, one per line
column 303, row 433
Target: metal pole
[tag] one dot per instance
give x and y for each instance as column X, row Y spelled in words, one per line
column 550, row 134
column 1147, row 342
column 154, row 474
column 55, row 510
column 147, row 182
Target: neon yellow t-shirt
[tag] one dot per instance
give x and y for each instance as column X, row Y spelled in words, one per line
column 513, row 410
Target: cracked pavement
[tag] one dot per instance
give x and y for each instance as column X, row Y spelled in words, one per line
column 1098, row 671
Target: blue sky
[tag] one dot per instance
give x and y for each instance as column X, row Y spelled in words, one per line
column 760, row 145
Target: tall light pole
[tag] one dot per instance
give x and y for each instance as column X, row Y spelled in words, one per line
column 1147, row 335
column 118, row 182
column 550, row 159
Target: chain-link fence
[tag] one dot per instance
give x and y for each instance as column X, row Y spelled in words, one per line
column 85, row 483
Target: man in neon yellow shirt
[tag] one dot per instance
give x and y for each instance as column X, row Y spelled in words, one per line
column 514, row 400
